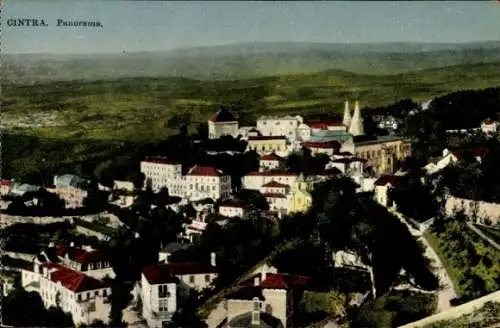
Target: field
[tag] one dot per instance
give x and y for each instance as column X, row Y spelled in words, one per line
column 141, row 109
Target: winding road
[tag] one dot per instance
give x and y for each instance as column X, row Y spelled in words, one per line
column 447, row 291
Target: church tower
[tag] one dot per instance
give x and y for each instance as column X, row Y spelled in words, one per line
column 356, row 128
column 347, row 115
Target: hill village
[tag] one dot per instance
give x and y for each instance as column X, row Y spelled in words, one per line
column 79, row 279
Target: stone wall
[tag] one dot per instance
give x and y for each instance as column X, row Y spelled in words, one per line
column 479, row 209
column 456, row 312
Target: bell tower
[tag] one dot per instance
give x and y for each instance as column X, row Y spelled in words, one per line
column 356, row 127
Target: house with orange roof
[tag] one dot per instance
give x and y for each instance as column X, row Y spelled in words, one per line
column 489, row 126
column 270, row 162
column 164, row 286
column 86, row 298
column 5, row 186
column 266, row 300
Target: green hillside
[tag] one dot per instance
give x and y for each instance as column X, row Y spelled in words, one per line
column 140, row 108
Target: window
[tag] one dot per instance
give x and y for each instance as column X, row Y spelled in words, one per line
column 163, row 305
column 207, row 278
column 163, row 291
column 79, row 297
column 104, row 292
column 191, row 279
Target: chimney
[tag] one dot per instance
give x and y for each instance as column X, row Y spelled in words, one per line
column 256, row 312
column 212, row 259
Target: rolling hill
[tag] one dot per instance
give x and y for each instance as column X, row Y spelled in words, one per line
column 248, row 60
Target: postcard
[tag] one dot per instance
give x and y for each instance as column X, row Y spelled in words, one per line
column 249, row 163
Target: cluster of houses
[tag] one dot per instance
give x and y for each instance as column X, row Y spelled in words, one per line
column 77, row 279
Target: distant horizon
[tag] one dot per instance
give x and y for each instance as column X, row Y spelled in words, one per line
column 255, row 42
column 153, row 26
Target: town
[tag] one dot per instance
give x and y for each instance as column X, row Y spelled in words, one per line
column 291, row 222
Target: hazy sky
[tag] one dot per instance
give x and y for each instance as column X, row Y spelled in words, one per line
column 163, row 25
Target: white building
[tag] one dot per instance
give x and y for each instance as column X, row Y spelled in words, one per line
column 452, row 156
column 162, row 172
column 270, row 162
column 207, row 182
column 489, row 126
column 163, row 286
column 223, row 124
column 382, row 188
column 86, row 298
column 279, row 126
column 233, row 210
column 255, row 180
column 94, row 263
column 200, row 181
column 278, row 195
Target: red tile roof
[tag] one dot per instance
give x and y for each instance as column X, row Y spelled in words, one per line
column 270, row 213
column 388, row 179
column 165, row 273
column 266, row 138
column 346, row 160
column 271, row 157
column 234, row 205
column 275, row 184
column 207, row 171
column 488, row 121
column 322, row 144
column 273, row 195
column 284, row 281
column 160, row 160
column 80, row 255
column 323, row 124
column 74, row 281
column 272, row 173
column 6, row 183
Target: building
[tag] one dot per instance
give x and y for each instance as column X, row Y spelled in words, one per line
column 348, row 165
column 285, row 126
column 200, row 181
column 164, row 286
column 86, row 298
column 71, row 189
column 94, row 263
column 301, row 199
column 356, row 126
column 21, row 189
column 322, row 147
column 277, row 195
column 5, row 187
column 223, row 124
column 207, row 182
column 233, row 210
column 162, row 172
column 268, row 144
column 270, row 162
column 489, row 126
column 453, row 155
column 255, row 180
column 382, row 153
column 382, row 187
column 266, row 300
column 330, row 125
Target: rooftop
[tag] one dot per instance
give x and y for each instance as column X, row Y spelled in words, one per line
column 79, row 255
column 160, row 160
column 275, row 184
column 69, row 180
column 392, row 180
column 365, row 140
column 270, row 157
column 166, row 273
column 205, row 171
column 272, row 173
column 257, row 138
